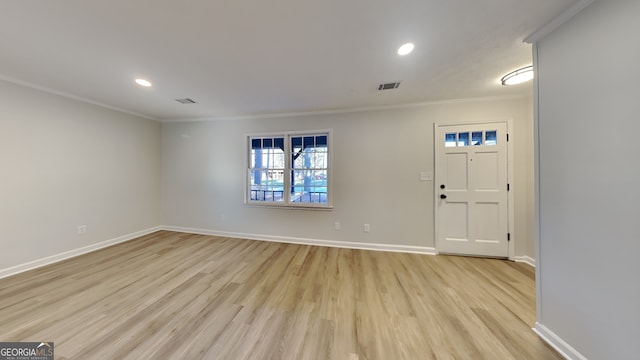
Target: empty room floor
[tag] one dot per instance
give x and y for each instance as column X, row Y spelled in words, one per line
column 172, row 295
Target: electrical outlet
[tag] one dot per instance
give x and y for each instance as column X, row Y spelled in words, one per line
column 336, row 225
column 366, row 228
column 82, row 229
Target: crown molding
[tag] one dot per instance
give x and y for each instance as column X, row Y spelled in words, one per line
column 346, row 110
column 564, row 16
column 67, row 95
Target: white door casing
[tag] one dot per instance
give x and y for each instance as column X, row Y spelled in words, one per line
column 471, row 197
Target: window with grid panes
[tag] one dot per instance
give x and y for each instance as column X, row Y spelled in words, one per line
column 289, row 169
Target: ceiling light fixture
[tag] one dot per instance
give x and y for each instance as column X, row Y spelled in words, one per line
column 405, row 49
column 518, row 76
column 143, row 82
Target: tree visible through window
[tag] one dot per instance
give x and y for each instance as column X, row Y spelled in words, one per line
column 289, row 169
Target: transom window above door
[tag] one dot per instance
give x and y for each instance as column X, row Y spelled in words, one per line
column 471, row 138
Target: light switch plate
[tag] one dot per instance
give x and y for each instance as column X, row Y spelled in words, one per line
column 426, row 176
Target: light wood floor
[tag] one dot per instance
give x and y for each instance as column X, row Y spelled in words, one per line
column 179, row 296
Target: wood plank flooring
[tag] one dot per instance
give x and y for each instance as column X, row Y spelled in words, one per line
column 171, row 295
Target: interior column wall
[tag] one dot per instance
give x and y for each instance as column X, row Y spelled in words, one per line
column 589, row 197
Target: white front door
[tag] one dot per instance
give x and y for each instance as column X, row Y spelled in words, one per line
column 471, row 189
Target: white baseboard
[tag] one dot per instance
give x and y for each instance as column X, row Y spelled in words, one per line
column 525, row 259
column 302, row 241
column 73, row 253
column 557, row 343
column 282, row 239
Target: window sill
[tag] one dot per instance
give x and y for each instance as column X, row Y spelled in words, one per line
column 290, row 206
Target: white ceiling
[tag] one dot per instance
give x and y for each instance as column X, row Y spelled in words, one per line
column 258, row 57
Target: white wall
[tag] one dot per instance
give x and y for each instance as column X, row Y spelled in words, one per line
column 589, row 125
column 66, row 163
column 377, row 156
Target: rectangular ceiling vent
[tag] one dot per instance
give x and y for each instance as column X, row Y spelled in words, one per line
column 389, row 86
column 186, row 101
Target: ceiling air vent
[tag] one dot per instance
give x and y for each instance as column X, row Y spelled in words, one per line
column 389, row 86
column 186, row 101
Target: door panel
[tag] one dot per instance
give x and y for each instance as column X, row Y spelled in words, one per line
column 471, row 189
column 487, row 222
column 457, row 221
column 486, row 171
column 456, row 167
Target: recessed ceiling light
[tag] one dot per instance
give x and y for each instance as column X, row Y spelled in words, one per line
column 518, row 76
column 143, row 82
column 405, row 49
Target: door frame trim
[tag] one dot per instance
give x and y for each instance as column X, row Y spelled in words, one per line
column 510, row 193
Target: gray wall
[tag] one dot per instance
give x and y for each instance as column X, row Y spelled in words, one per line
column 66, row 163
column 377, row 156
column 589, row 125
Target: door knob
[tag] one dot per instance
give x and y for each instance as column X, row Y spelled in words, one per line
column 443, row 196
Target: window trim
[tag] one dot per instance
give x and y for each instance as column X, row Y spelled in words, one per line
column 288, row 167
